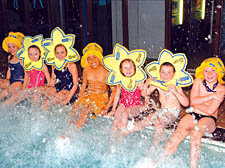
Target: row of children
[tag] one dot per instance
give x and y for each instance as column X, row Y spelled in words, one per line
column 206, row 95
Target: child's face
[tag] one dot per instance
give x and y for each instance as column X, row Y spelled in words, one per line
column 128, row 69
column 166, row 73
column 12, row 48
column 93, row 61
column 60, row 53
column 34, row 54
column 210, row 74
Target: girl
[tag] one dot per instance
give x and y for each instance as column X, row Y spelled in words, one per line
column 130, row 102
column 64, row 82
column 15, row 73
column 33, row 79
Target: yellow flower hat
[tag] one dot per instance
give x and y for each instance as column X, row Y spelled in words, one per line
column 13, row 37
column 22, row 53
column 179, row 61
column 112, row 63
column 58, row 37
column 91, row 49
column 214, row 63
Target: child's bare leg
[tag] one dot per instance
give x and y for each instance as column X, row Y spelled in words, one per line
column 15, row 99
column 4, row 83
column 159, row 129
column 184, row 128
column 204, row 125
column 83, row 118
column 49, row 92
column 3, row 94
column 117, row 121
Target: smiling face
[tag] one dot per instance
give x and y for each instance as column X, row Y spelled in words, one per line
column 166, row 73
column 12, row 48
column 34, row 53
column 60, row 52
column 93, row 61
column 210, row 75
column 127, row 68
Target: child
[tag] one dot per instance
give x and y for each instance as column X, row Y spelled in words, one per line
column 171, row 102
column 15, row 74
column 207, row 93
column 93, row 96
column 130, row 102
column 33, row 79
column 64, row 82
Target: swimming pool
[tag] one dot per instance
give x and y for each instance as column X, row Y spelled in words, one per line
column 31, row 137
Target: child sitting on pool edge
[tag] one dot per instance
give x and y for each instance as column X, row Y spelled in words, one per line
column 93, row 97
column 170, row 100
column 130, row 102
column 207, row 94
column 33, row 80
column 15, row 73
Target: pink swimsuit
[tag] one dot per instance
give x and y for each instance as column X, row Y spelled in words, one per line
column 37, row 79
column 129, row 99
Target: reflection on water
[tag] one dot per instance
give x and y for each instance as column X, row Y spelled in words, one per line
column 34, row 138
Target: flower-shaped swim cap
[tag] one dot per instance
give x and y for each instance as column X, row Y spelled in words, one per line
column 214, row 63
column 22, row 53
column 91, row 49
column 113, row 64
column 58, row 37
column 179, row 61
column 13, row 37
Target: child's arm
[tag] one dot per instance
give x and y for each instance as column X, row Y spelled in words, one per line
column 195, row 91
column 52, row 80
column 73, row 70
column 116, row 100
column 148, row 90
column 26, row 79
column 84, row 82
column 47, row 75
column 181, row 97
column 213, row 106
column 111, row 98
column 8, row 74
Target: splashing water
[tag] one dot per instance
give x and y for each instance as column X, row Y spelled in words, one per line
column 32, row 137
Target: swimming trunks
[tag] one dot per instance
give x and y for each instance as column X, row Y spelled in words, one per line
column 95, row 101
column 129, row 99
column 16, row 72
column 197, row 116
column 37, row 79
column 64, row 79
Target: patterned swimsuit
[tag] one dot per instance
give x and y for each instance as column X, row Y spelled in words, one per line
column 129, row 99
column 64, row 79
column 16, row 72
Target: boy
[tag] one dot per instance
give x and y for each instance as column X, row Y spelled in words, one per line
column 94, row 99
column 206, row 96
column 171, row 102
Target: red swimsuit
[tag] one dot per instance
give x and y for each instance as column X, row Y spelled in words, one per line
column 129, row 99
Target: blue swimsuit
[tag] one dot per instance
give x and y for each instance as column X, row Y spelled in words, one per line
column 16, row 72
column 64, row 79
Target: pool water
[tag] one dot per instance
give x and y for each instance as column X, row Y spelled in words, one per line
column 32, row 137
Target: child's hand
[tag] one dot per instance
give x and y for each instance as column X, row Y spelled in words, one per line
column 148, row 80
column 220, row 96
column 172, row 88
column 104, row 112
column 111, row 113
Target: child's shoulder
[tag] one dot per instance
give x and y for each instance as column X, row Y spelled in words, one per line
column 198, row 80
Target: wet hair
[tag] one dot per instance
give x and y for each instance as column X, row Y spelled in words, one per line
column 168, row 64
column 130, row 61
column 34, row 46
column 60, row 45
